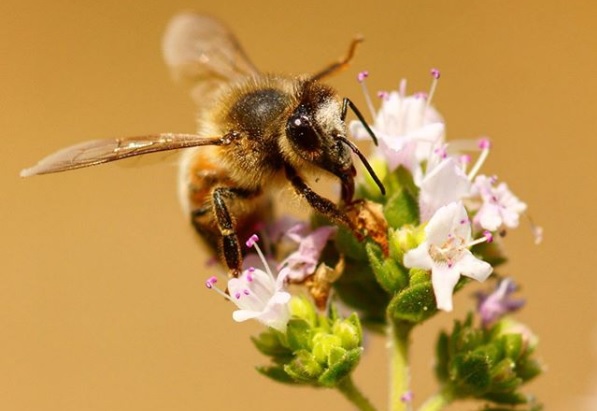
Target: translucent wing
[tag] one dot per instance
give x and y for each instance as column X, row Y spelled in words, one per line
column 91, row 153
column 203, row 52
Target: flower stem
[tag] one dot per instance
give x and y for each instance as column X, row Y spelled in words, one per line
column 399, row 338
column 354, row 395
column 437, row 402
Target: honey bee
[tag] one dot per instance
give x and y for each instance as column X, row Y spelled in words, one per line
column 256, row 133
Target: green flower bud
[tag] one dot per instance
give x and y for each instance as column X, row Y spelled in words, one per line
column 507, row 325
column 323, row 344
column 301, row 307
column 349, row 333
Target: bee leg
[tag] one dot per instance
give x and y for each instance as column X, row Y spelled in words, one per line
column 319, row 203
column 340, row 65
column 231, row 248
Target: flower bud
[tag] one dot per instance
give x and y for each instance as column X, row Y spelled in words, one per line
column 323, row 344
column 349, row 331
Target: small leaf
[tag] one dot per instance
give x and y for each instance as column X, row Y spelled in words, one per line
column 298, row 334
column 344, row 363
column 358, row 288
column 470, row 374
column 401, row 209
column 270, row 343
column 391, row 276
column 513, row 345
column 304, row 367
column 442, row 354
column 277, row 374
column 414, row 304
column 348, row 245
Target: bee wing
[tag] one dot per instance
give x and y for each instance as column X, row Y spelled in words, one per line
column 203, row 52
column 91, row 153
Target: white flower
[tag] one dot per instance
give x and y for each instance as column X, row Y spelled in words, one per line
column 407, row 127
column 442, row 184
column 446, row 253
column 500, row 207
column 258, row 294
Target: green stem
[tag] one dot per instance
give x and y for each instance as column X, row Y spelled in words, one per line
column 354, row 395
column 437, row 402
column 399, row 339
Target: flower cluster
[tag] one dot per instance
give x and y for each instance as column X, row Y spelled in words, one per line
column 406, row 253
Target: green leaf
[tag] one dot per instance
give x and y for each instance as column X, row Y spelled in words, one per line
column 344, row 363
column 277, row 374
column 304, row 367
column 512, row 345
column 528, row 369
column 348, row 245
column 470, row 374
column 406, row 181
column 401, row 209
column 358, row 288
column 391, row 276
column 270, row 343
column 442, row 354
column 299, row 334
column 414, row 304
column 512, row 398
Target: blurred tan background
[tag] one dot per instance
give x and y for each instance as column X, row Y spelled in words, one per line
column 102, row 304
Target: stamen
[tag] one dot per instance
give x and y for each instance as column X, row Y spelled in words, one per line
column 484, row 144
column 465, row 160
column 486, row 238
column 361, row 78
column 252, row 240
column 402, row 88
column 210, row 283
column 261, row 256
column 382, row 95
column 536, row 230
column 435, row 74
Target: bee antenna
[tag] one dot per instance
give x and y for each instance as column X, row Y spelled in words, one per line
column 346, row 103
column 363, row 159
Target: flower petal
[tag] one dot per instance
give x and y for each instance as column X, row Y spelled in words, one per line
column 472, row 267
column 444, row 279
column 418, row 257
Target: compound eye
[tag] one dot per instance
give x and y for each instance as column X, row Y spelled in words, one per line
column 300, row 131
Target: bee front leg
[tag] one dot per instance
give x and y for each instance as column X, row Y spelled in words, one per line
column 319, row 203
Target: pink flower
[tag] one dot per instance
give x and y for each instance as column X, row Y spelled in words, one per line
column 492, row 307
column 500, row 207
column 304, row 260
